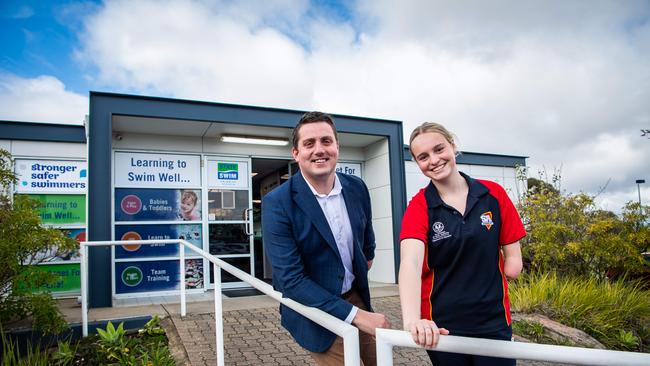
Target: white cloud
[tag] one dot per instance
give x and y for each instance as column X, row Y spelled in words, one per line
column 40, row 99
column 566, row 83
column 193, row 50
column 611, row 162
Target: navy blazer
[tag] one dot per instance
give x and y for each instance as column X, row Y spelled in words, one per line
column 306, row 263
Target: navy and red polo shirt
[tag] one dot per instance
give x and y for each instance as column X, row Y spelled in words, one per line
column 464, row 288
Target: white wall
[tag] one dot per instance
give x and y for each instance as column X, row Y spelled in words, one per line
column 133, row 141
column 505, row 176
column 42, row 149
column 5, row 144
column 377, row 178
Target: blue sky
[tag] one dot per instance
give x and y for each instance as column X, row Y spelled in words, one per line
column 42, row 36
column 566, row 83
column 39, row 37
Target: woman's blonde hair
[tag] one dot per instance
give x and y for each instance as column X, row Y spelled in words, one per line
column 428, row 127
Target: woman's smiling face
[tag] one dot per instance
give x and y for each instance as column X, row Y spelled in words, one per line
column 435, row 156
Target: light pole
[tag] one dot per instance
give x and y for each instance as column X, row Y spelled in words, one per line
column 638, row 187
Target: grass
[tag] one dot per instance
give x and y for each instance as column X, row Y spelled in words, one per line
column 34, row 356
column 615, row 313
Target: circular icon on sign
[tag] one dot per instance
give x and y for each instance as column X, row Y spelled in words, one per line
column 131, row 235
column 131, row 204
column 80, row 237
column 131, row 276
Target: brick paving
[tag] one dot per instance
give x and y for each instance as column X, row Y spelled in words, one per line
column 255, row 337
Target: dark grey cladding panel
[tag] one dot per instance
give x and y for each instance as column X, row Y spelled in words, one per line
column 473, row 158
column 157, row 107
column 13, row 130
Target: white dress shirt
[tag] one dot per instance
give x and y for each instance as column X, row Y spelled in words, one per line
column 336, row 213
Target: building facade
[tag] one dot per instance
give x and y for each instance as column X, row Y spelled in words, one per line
column 162, row 168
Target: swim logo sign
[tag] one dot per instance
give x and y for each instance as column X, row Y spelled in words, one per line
column 227, row 174
column 227, row 171
column 53, row 176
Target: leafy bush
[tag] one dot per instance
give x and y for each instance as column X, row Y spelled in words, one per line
column 146, row 347
column 111, row 346
column 616, row 313
column 567, row 233
column 21, row 238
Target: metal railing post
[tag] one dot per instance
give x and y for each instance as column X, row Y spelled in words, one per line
column 384, row 349
column 83, row 269
column 351, row 347
column 218, row 314
column 181, row 276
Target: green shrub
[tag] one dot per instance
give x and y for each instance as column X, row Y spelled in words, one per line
column 21, row 238
column 616, row 313
column 147, row 346
column 567, row 233
column 111, row 346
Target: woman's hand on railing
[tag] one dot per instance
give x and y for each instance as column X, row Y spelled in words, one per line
column 425, row 332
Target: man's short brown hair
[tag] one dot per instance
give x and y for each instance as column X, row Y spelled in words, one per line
column 312, row 117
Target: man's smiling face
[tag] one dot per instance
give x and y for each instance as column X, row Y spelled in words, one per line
column 317, row 152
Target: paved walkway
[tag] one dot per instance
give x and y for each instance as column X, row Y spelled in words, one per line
column 252, row 331
column 255, row 337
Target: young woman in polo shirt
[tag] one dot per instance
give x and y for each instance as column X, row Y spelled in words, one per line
column 459, row 245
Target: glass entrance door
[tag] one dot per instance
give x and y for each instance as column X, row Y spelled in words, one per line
column 230, row 222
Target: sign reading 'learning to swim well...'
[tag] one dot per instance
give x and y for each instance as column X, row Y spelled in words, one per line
column 157, row 170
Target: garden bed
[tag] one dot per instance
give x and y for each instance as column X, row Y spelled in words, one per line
column 148, row 345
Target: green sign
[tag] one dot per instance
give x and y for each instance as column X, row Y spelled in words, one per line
column 227, row 171
column 59, row 209
column 132, row 276
column 227, row 167
column 69, row 277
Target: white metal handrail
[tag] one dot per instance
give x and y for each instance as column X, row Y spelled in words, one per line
column 387, row 338
column 349, row 333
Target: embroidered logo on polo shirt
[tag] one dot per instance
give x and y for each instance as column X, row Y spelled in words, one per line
column 439, row 232
column 486, row 220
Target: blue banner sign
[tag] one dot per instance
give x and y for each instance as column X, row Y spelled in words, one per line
column 134, row 277
column 189, row 232
column 141, row 204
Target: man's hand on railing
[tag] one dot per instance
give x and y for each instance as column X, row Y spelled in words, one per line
column 367, row 322
column 425, row 332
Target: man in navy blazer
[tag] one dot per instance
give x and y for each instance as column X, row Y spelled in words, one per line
column 318, row 236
